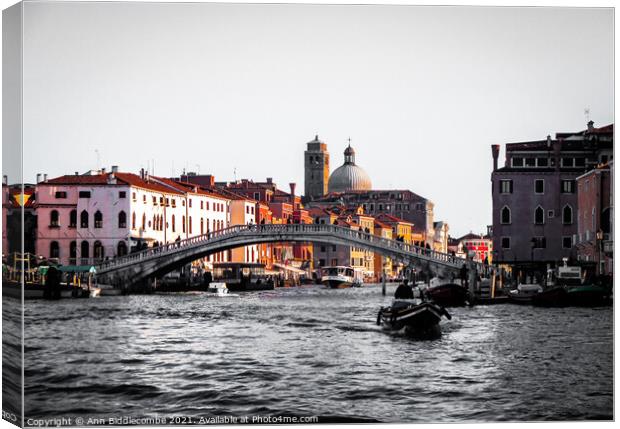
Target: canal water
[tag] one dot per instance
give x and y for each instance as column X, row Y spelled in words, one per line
column 311, row 351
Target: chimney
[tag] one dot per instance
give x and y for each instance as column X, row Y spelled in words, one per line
column 77, row 174
column 45, row 177
column 269, row 180
column 292, row 185
column 5, row 180
column 590, row 126
column 103, row 170
column 548, row 141
column 115, row 169
column 142, row 173
column 38, row 177
column 557, row 149
column 495, row 151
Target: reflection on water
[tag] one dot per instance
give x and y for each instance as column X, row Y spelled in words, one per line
column 313, row 351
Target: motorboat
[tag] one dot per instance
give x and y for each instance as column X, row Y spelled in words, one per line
column 243, row 276
column 553, row 296
column 340, row 277
column 524, row 293
column 588, row 296
column 219, row 289
column 415, row 318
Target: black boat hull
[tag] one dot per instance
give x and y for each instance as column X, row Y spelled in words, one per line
column 416, row 321
column 449, row 295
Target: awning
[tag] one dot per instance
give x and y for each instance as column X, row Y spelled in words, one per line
column 290, row 268
column 77, row 269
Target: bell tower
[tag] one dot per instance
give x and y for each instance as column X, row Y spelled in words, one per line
column 316, row 166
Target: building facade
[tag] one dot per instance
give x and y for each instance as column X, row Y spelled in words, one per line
column 535, row 195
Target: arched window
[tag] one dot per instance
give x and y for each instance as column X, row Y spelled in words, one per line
column 174, row 226
column 202, row 226
column 73, row 219
column 54, row 218
column 98, row 219
column 144, row 222
column 73, row 253
column 84, row 248
column 98, row 252
column 539, row 216
column 54, row 250
column 133, row 220
column 121, row 248
column 84, row 219
column 155, row 222
column 506, row 218
column 190, row 224
column 122, row 219
column 567, row 215
column 183, row 222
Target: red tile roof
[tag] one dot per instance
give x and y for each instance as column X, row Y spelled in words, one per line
column 391, row 219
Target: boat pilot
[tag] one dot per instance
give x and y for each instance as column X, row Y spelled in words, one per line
column 404, row 291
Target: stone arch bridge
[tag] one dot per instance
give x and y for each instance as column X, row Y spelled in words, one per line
column 154, row 262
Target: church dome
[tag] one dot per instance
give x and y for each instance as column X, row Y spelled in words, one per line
column 349, row 177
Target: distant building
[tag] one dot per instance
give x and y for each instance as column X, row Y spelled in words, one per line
column 349, row 176
column 594, row 219
column 535, row 196
column 479, row 247
column 14, row 202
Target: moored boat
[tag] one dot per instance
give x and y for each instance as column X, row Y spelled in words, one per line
column 219, row 289
column 551, row 297
column 588, row 296
column 449, row 295
column 417, row 319
column 524, row 293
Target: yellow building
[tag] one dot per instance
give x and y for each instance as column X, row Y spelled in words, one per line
column 382, row 264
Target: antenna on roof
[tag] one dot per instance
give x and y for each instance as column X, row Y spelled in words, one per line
column 235, row 173
column 586, row 113
column 98, row 158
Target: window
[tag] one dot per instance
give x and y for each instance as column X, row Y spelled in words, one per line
column 539, row 242
column 567, row 242
column 122, row 194
column 98, row 251
column 517, row 162
column 73, row 252
column 84, row 248
column 154, row 201
column 183, row 223
column 580, row 162
column 202, row 225
column 505, row 186
column 530, row 162
column 190, row 202
column 61, row 194
column 133, row 196
column 539, row 186
column 594, row 219
column 121, row 248
column 54, row 250
column 54, row 219
column 567, row 215
column 144, row 199
column 505, row 215
column 568, row 186
column 122, row 219
column 174, row 203
column 133, row 220
column 98, row 219
column 550, row 214
column 73, row 219
column 161, row 201
column 543, row 162
column 84, row 194
column 539, row 216
column 333, row 248
column 567, row 162
column 604, row 159
column 190, row 224
column 84, row 219
column 174, row 227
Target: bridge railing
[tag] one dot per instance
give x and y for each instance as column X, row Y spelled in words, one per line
column 355, row 236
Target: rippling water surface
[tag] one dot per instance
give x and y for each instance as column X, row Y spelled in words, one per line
column 311, row 351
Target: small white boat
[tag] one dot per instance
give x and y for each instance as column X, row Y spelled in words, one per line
column 219, row 289
column 340, row 277
column 108, row 290
column 94, row 292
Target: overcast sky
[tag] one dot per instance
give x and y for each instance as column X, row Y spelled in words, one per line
column 422, row 91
